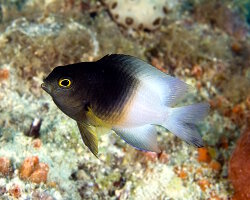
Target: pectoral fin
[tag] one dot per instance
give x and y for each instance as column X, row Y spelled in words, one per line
column 89, row 137
column 142, row 138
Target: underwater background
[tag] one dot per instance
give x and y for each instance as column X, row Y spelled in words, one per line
column 204, row 43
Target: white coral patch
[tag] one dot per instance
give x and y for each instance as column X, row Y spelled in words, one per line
column 138, row 14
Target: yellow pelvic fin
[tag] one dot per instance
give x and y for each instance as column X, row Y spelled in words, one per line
column 89, row 137
column 101, row 130
column 91, row 130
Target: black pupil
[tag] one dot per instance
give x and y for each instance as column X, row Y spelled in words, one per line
column 65, row 82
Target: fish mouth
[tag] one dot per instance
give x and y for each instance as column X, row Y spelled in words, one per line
column 46, row 88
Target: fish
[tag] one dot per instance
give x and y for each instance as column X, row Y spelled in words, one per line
column 127, row 95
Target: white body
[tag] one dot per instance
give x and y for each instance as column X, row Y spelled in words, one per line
column 152, row 104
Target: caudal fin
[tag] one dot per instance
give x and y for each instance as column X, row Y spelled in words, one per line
column 182, row 122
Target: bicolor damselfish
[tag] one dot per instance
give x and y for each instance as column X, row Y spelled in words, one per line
column 127, row 95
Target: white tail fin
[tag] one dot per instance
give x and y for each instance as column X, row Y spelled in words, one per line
column 182, row 122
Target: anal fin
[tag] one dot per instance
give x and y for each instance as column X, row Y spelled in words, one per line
column 142, row 138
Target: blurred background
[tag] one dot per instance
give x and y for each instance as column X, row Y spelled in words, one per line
column 204, row 43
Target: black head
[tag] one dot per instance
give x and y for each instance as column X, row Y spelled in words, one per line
column 67, row 86
column 60, row 82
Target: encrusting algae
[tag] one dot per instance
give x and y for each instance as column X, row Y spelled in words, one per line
column 239, row 167
column 34, row 171
column 5, row 166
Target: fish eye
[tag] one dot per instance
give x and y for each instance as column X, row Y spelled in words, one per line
column 64, row 82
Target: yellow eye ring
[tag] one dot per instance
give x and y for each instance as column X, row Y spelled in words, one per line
column 64, row 82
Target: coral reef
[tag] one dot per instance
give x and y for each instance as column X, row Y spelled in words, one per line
column 138, row 14
column 203, row 155
column 15, row 191
column 5, row 166
column 40, row 174
column 28, row 167
column 34, row 171
column 37, row 143
column 218, row 14
column 4, row 74
column 36, row 195
column 42, row 155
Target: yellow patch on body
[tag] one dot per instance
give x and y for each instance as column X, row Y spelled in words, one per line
column 112, row 119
